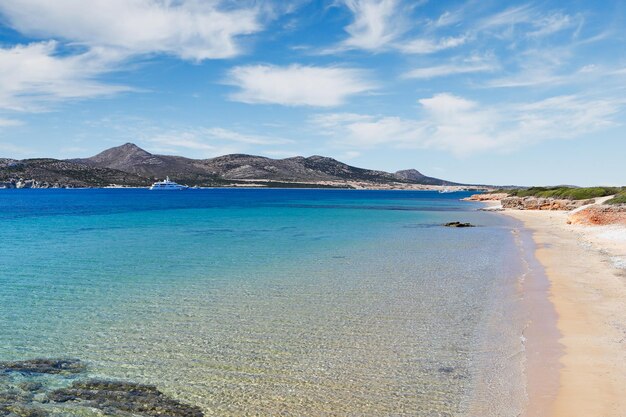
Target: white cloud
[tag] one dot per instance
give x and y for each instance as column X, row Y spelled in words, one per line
column 330, row 120
column 97, row 37
column 35, row 73
column 468, row 65
column 379, row 131
column 460, row 126
column 445, row 70
column 14, row 151
column 10, row 122
column 181, row 139
column 448, row 18
column 212, row 141
column 251, row 139
column 376, row 23
column 429, row 46
column 542, row 23
column 189, row 29
column 297, row 85
column 509, row 17
column 527, row 79
column 550, row 67
column 550, row 24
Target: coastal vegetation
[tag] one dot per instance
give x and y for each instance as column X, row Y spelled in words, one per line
column 569, row 193
column 620, row 198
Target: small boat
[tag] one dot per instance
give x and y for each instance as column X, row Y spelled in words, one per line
column 167, row 185
column 445, row 190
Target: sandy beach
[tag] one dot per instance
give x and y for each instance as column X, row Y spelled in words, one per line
column 586, row 269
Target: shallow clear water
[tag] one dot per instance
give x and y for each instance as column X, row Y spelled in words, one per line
column 260, row 302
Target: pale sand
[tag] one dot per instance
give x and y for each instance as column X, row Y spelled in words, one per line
column 585, row 267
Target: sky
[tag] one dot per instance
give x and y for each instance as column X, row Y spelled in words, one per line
column 481, row 91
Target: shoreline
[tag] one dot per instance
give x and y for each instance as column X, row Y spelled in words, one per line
column 587, row 292
column 256, row 186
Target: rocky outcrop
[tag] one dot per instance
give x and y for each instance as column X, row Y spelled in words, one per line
column 487, row 197
column 539, row 203
column 458, row 224
column 599, row 215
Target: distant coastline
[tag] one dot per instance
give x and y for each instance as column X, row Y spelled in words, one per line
column 253, row 184
column 130, row 166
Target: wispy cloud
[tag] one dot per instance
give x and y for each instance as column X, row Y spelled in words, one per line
column 297, row 85
column 537, row 23
column 34, row 74
column 376, row 23
column 463, row 127
column 466, row 65
column 509, row 17
column 382, row 25
column 448, row 18
column 10, row 122
column 429, row 46
column 445, row 70
column 207, row 141
column 14, row 151
column 551, row 67
column 552, row 23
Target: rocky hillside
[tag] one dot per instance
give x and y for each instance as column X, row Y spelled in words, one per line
column 45, row 173
column 131, row 158
column 130, row 165
column 414, row 175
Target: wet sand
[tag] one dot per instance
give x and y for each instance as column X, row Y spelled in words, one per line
column 585, row 268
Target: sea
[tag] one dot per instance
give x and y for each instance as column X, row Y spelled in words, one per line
column 266, row 302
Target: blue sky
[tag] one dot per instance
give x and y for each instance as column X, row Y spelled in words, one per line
column 480, row 91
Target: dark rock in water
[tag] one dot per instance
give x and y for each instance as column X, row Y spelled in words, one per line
column 13, row 396
column 458, row 224
column 31, row 386
column 44, row 366
column 29, row 393
column 446, row 369
column 21, row 410
column 112, row 396
column 18, row 403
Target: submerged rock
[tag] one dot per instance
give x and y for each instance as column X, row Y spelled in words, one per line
column 44, row 366
column 111, row 396
column 30, row 388
column 458, row 224
column 20, row 410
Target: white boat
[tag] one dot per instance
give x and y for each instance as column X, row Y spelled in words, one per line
column 167, row 185
column 445, row 190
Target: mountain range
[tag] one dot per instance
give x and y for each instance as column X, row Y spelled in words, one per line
column 130, row 165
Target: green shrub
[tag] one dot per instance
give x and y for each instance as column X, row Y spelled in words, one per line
column 569, row 193
column 620, row 198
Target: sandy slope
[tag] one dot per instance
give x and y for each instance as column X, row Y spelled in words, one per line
column 586, row 266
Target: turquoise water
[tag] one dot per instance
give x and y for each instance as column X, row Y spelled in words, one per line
column 260, row 302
